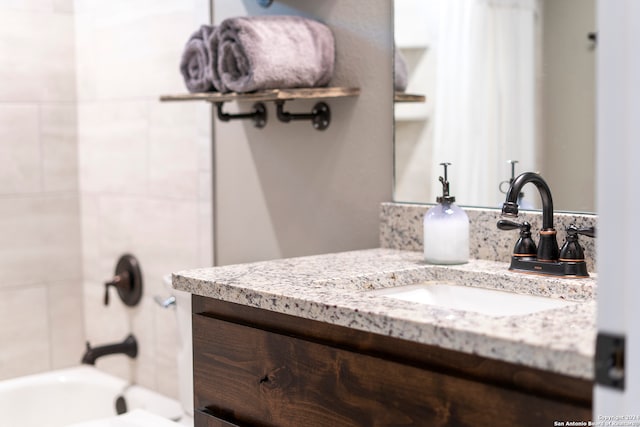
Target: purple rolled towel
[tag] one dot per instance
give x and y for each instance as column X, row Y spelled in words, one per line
column 195, row 61
column 270, row 52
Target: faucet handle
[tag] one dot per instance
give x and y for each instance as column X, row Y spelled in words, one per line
column 585, row 231
column 127, row 281
column 165, row 302
column 571, row 249
column 120, row 281
column 525, row 246
column 505, row 224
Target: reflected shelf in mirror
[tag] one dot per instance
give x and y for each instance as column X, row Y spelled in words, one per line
column 408, row 97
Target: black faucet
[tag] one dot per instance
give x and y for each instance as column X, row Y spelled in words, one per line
column 546, row 258
column 129, row 347
column 548, row 246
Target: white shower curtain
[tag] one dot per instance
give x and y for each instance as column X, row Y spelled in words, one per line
column 486, row 102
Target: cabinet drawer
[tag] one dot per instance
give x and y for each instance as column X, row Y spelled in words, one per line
column 203, row 418
column 257, row 377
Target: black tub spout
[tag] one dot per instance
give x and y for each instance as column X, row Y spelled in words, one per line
column 129, row 347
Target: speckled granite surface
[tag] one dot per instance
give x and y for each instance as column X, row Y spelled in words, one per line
column 334, row 288
column 401, row 228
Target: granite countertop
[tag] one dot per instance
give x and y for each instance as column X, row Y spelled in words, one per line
column 334, row 288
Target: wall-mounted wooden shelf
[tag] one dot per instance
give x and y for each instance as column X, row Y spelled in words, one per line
column 320, row 116
column 409, row 97
column 267, row 95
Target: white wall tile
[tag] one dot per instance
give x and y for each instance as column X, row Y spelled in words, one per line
column 142, row 168
column 205, row 233
column 63, row 6
column 40, row 239
column 26, row 5
column 39, row 230
column 161, row 233
column 112, row 323
column 131, row 56
column 20, row 151
column 59, row 147
column 24, row 331
column 106, row 325
column 113, row 12
column 148, row 67
column 145, row 171
column 37, row 61
column 166, row 348
column 143, row 328
column 173, row 150
column 112, row 147
column 205, row 186
column 85, row 53
column 66, row 323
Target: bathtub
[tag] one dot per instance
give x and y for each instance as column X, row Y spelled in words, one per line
column 77, row 395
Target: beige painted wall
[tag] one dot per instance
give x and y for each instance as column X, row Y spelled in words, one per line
column 289, row 190
column 40, row 287
column 145, row 172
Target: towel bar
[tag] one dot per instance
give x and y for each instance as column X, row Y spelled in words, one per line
column 258, row 115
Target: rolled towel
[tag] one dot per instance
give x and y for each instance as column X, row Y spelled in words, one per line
column 269, row 52
column 195, row 61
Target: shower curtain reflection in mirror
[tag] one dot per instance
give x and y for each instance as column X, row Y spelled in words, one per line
column 485, row 98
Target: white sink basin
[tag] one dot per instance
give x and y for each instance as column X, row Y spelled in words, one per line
column 468, row 298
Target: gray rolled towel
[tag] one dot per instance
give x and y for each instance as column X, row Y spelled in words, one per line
column 270, row 52
column 195, row 61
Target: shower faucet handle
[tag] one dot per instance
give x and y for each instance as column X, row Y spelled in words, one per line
column 127, row 280
column 119, row 281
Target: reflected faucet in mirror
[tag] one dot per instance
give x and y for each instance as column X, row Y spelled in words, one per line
column 504, row 186
column 545, row 258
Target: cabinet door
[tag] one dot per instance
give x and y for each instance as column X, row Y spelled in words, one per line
column 258, row 377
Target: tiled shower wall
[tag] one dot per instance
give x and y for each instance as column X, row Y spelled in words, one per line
column 41, row 325
column 145, row 172
column 92, row 166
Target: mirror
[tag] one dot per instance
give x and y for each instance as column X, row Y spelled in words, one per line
column 504, row 80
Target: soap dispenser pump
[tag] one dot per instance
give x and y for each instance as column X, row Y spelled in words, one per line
column 446, row 229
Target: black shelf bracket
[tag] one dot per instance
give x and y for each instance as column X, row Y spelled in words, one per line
column 320, row 116
column 258, row 115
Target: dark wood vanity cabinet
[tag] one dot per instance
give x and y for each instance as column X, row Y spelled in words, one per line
column 254, row 367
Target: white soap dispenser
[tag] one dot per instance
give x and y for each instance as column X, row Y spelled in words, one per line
column 446, row 229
